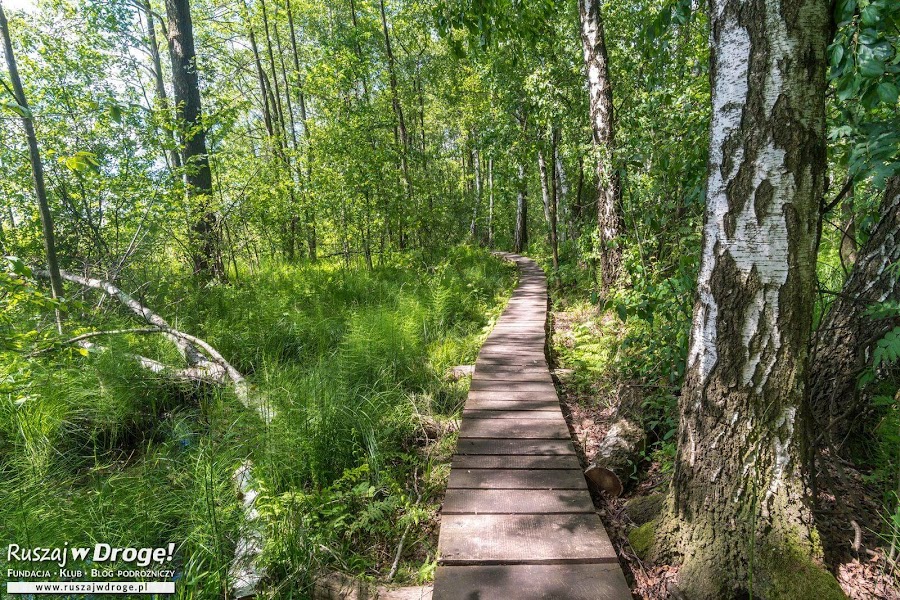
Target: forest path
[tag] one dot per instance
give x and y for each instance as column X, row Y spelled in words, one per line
column 517, row 520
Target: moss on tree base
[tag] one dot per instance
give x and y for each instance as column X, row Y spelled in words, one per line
column 796, row 577
column 642, row 539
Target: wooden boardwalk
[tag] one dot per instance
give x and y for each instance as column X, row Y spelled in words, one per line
column 518, row 521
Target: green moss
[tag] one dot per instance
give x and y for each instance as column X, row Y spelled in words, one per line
column 642, row 538
column 794, row 576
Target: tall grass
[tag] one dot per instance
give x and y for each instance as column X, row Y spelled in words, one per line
column 94, row 449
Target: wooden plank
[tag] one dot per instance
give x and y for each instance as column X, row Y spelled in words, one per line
column 488, row 395
column 514, row 428
column 488, row 385
column 510, row 462
column 543, row 403
column 499, row 539
column 506, row 502
column 487, row 375
column 603, row 581
column 517, row 479
column 493, row 368
column 541, row 415
column 516, row 447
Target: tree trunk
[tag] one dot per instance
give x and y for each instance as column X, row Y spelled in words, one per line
column 476, row 166
column 301, row 100
column 490, row 202
column 562, row 186
column 548, row 192
column 521, row 232
column 739, row 517
column 37, row 166
column 848, row 233
column 275, row 89
column 161, row 96
column 609, row 212
column 206, row 251
column 844, row 341
column 401, row 124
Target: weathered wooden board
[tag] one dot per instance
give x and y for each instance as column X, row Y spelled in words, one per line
column 542, row 403
column 597, row 581
column 494, row 368
column 554, row 416
column 499, row 539
column 517, row 479
column 514, row 429
column 510, row 462
column 487, row 375
column 515, row 447
column 505, row 502
column 488, row 395
column 512, row 386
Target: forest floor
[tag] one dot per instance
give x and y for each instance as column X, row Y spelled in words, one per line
column 848, row 517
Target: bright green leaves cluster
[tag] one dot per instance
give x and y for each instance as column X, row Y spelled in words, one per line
column 864, row 59
column 864, row 63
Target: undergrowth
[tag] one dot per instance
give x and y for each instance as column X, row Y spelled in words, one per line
column 95, row 449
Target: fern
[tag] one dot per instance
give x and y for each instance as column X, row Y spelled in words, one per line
column 887, row 351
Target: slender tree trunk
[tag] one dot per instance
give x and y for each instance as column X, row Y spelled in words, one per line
column 276, row 88
column 401, row 123
column 545, row 187
column 267, row 100
column 845, row 339
column 554, row 200
column 490, row 202
column 476, row 167
column 198, row 177
column 548, row 192
column 310, row 214
column 609, row 212
column 521, row 232
column 848, row 233
column 37, row 166
column 562, row 186
column 161, row 96
column 739, row 515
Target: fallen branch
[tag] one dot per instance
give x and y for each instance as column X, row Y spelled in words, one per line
column 92, row 334
column 190, row 354
column 244, row 573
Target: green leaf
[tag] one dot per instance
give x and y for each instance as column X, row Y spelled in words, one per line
column 870, row 65
column 870, row 16
column 888, row 92
column 16, row 108
column 837, row 53
column 844, row 10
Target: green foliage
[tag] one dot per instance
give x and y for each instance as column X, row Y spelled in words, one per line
column 349, row 358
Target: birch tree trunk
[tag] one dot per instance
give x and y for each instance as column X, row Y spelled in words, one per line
column 476, row 166
column 738, row 513
column 37, row 166
column 521, row 231
column 548, row 191
column 161, row 96
column 609, row 213
column 490, row 202
column 844, row 340
column 198, row 177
